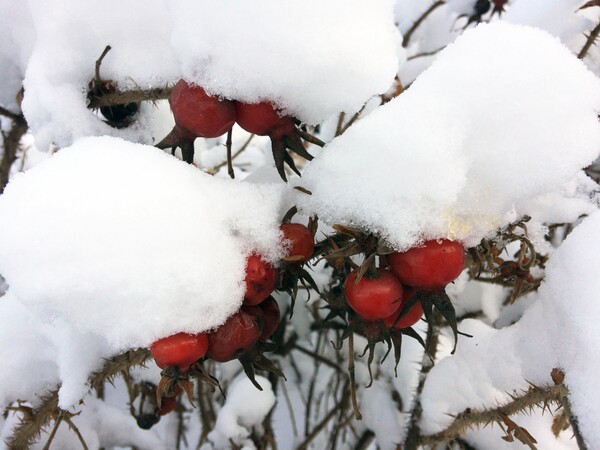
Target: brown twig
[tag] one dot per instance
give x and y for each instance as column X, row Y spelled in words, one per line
column 357, row 413
column 131, row 96
column 353, row 119
column 11, row 115
column 53, row 432
column 230, row 170
column 216, row 168
column 318, row 357
column 589, row 42
column 419, row 21
column 99, row 63
column 11, row 141
column 319, row 427
column 412, row 441
column 74, row 428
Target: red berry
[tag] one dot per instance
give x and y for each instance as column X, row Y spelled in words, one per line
column 263, row 119
column 180, row 350
column 431, row 266
column 238, row 334
column 374, row 298
column 199, row 113
column 272, row 317
column 412, row 316
column 300, row 240
column 261, row 280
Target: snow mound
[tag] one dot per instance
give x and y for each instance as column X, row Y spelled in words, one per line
column 571, row 292
column 311, row 58
column 312, row 64
column 172, row 261
column 246, row 407
column 453, row 155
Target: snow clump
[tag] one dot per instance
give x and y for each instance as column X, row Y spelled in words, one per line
column 453, row 155
column 173, row 260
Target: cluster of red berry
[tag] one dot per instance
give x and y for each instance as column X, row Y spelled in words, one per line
column 198, row 114
column 181, row 354
column 383, row 294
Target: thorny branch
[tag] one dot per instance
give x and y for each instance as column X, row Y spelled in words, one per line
column 589, row 42
column 130, row 96
column 36, row 419
column 535, row 396
column 419, row 21
column 431, row 343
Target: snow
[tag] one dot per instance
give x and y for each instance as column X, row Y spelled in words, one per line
column 558, row 330
column 312, row 65
column 559, row 18
column 33, row 360
column 245, row 408
column 488, row 368
column 101, row 426
column 152, row 272
column 464, row 180
column 570, row 292
column 17, row 36
column 108, row 244
column 311, row 68
column 50, row 353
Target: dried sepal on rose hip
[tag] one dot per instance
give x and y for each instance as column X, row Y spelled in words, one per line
column 264, row 119
column 196, row 114
column 175, row 354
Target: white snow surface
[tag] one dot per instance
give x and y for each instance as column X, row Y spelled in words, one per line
column 558, row 330
column 452, row 155
column 312, row 58
column 559, row 17
column 50, row 353
column 488, row 368
column 246, row 407
column 570, row 291
column 127, row 242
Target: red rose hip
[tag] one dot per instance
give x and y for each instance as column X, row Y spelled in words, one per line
column 300, row 239
column 412, row 316
column 239, row 333
column 199, row 113
column 374, row 298
column 179, row 350
column 261, row 280
column 429, row 267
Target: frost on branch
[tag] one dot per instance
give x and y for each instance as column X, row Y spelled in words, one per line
column 453, row 155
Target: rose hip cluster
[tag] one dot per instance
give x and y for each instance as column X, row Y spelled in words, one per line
column 386, row 294
column 243, row 336
column 198, row 114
